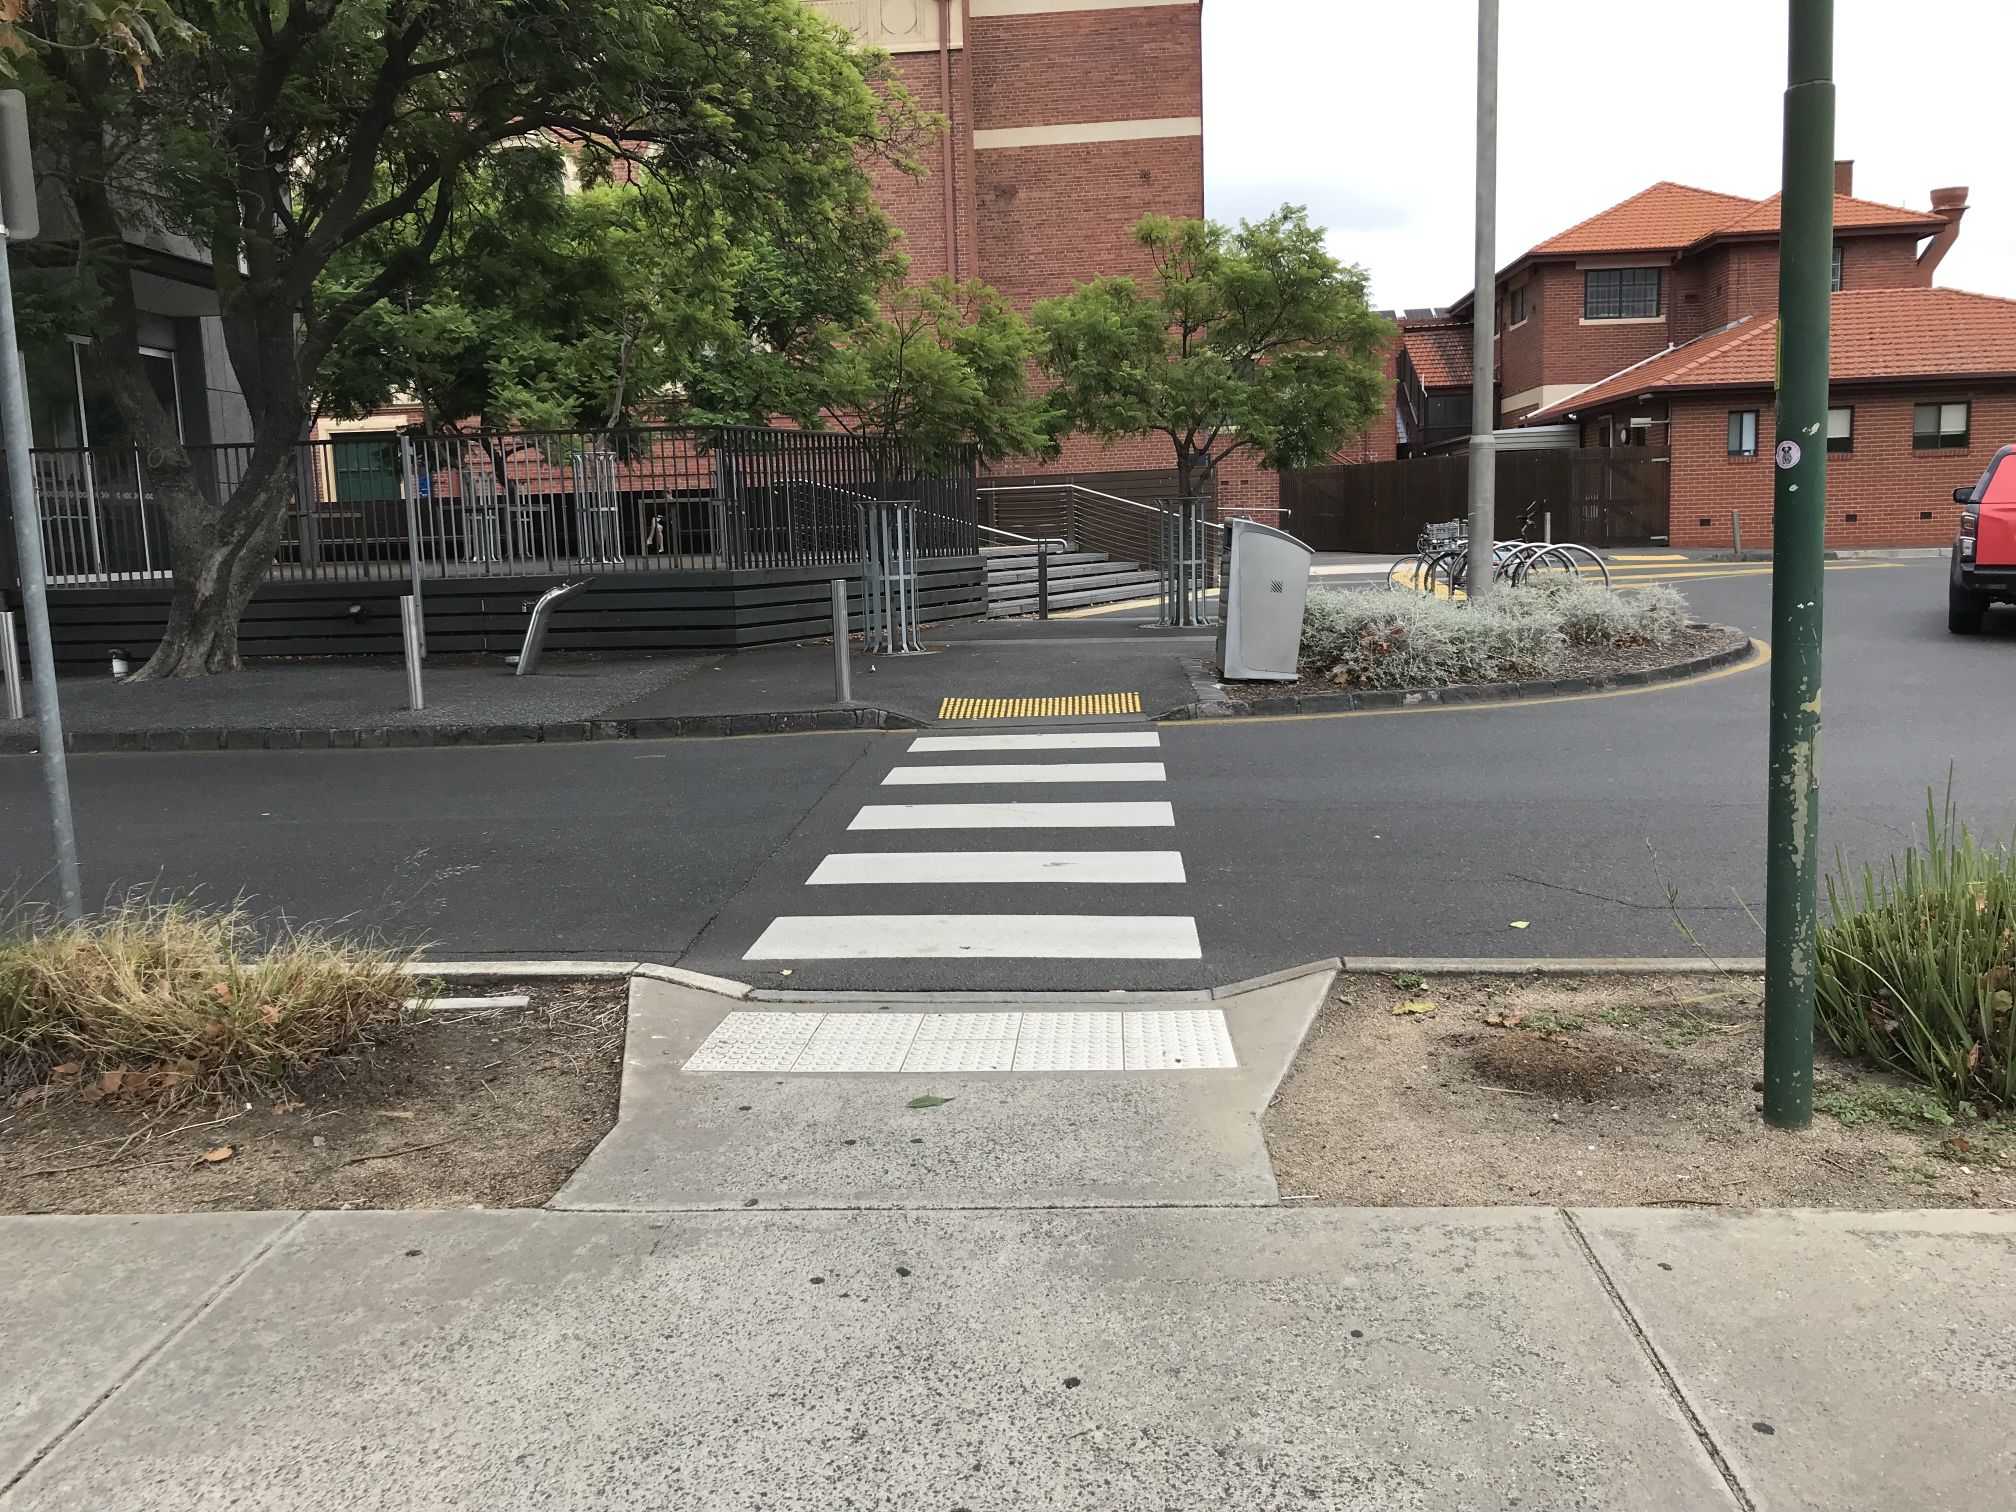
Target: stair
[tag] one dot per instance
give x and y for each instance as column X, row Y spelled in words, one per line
column 1078, row 580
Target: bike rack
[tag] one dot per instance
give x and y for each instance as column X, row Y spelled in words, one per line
column 542, row 618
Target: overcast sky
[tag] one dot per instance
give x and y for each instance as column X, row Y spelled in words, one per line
column 1363, row 111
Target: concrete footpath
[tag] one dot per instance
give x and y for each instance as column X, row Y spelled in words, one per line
column 1124, row 1359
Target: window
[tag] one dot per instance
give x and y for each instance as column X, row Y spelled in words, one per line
column 1448, row 410
column 1837, row 267
column 1939, row 427
column 1620, row 294
column 1742, row 433
column 1519, row 305
column 1841, row 429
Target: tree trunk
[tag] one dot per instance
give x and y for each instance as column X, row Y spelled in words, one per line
column 220, row 557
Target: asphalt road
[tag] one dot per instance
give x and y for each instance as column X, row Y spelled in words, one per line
column 1424, row 833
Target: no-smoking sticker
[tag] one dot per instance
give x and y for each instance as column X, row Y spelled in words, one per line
column 1788, row 453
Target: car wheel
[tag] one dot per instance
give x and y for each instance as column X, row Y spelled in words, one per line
column 1964, row 612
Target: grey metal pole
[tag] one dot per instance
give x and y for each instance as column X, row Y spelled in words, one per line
column 1484, row 315
column 409, row 631
column 34, row 595
column 413, row 536
column 10, row 666
column 843, row 673
column 1042, row 580
column 1736, row 534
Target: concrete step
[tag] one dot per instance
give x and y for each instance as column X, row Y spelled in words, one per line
column 1012, row 608
column 1082, row 572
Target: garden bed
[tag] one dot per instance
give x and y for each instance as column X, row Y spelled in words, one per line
column 453, row 1109
column 1600, row 1091
column 1592, row 664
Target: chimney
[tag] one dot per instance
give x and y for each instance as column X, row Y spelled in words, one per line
column 1844, row 175
column 1951, row 203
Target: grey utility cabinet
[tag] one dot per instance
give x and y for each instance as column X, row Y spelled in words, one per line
column 1260, row 630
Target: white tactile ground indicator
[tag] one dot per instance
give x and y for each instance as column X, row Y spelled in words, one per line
column 1193, row 1039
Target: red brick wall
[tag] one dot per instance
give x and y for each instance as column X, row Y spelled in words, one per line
column 1887, row 486
column 1522, row 349
column 1132, row 64
column 1555, row 346
column 1879, row 262
column 917, row 202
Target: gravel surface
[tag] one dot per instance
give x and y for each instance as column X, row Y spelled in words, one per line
column 1597, row 1092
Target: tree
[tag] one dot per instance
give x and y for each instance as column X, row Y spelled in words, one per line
column 1255, row 339
column 944, row 368
column 614, row 305
column 307, row 138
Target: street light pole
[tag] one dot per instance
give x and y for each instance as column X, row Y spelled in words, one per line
column 18, row 218
column 1484, row 316
column 1799, row 529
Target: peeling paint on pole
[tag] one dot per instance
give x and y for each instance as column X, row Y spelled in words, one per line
column 1799, row 522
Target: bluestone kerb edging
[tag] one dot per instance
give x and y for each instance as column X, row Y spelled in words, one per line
column 1465, row 693
column 397, row 737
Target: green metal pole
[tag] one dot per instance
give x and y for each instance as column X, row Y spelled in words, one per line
column 1799, row 525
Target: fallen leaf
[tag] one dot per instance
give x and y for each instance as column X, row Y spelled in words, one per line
column 1959, row 1144
column 927, row 1102
column 111, row 1082
column 1420, row 1006
column 92, row 1093
column 1506, row 1020
column 222, row 990
column 384, row 1113
column 215, row 1029
column 1521, row 924
column 68, row 1068
column 269, row 1015
column 290, row 1106
column 220, row 1154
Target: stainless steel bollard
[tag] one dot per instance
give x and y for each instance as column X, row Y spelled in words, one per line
column 409, row 629
column 10, row 666
column 843, row 673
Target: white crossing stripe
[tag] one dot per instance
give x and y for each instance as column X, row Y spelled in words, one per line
column 1188, row 1039
column 1088, row 740
column 872, row 937
column 924, row 816
column 1056, row 771
column 895, row 868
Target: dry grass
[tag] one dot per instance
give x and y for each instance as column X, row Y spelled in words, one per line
column 165, row 1000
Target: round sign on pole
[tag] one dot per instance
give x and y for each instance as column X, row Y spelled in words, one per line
column 1788, row 453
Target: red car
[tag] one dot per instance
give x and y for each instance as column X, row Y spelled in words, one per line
column 1984, row 553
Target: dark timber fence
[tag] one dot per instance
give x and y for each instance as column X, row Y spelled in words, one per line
column 1599, row 496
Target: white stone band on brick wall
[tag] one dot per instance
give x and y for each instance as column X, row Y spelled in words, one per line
column 986, row 9
column 1089, row 131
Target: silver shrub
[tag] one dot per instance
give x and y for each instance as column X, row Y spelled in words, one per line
column 1377, row 638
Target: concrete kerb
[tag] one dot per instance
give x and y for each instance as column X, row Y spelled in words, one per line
column 1373, row 699
column 1553, row 965
column 403, row 737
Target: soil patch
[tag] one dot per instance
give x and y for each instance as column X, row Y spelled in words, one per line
column 1576, row 661
column 454, row 1109
column 1598, row 1092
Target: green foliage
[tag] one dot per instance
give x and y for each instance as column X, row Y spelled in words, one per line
column 133, row 32
column 1256, row 338
column 1376, row 638
column 1902, row 1108
column 1410, row 981
column 945, row 367
column 1917, row 964
column 642, row 301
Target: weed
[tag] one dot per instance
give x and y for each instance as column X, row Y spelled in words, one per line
column 164, row 999
column 1917, row 966
column 1902, row 1108
column 1552, row 1023
column 1913, row 1174
column 1410, row 981
column 1623, row 1016
column 1686, row 1030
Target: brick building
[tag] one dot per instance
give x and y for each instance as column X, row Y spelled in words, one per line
column 1068, row 120
column 1923, row 392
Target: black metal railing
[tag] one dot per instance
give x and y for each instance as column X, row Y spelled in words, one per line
column 371, row 506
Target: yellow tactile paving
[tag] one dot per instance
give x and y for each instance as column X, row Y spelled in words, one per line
column 1040, row 708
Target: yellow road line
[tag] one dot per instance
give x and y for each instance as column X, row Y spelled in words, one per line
column 1040, row 708
column 1092, row 611
column 1761, row 655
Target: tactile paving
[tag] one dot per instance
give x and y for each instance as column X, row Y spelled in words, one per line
column 859, row 1042
column 1192, row 1039
column 1070, row 1042
column 755, row 1042
column 964, row 1042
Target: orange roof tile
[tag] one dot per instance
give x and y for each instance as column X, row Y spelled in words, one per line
column 1667, row 216
column 1849, row 213
column 1878, row 334
column 1440, row 353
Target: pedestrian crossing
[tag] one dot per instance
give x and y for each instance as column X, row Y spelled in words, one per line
column 975, row 858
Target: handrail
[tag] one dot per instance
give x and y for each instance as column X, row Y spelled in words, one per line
column 1011, row 535
column 1092, row 493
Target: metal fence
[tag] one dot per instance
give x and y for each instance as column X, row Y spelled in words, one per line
column 370, row 506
